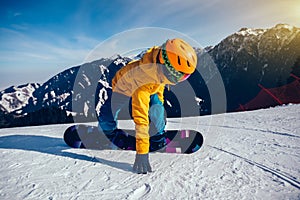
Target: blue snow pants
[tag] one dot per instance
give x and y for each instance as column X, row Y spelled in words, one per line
column 110, row 109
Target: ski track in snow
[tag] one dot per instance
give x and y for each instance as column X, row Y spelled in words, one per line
column 247, row 155
column 292, row 180
column 139, row 192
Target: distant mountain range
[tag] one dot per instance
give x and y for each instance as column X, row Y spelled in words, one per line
column 244, row 59
column 256, row 56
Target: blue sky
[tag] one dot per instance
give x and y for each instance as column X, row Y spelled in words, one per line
column 39, row 39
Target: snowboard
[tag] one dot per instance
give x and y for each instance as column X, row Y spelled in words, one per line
column 90, row 137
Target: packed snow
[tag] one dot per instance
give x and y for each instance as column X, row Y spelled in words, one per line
column 246, row 155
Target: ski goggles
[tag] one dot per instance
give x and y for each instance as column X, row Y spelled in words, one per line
column 169, row 71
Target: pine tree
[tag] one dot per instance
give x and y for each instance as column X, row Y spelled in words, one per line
column 295, row 70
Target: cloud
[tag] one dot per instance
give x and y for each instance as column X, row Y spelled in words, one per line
column 16, row 14
column 131, row 42
column 188, row 17
column 36, row 58
column 28, row 47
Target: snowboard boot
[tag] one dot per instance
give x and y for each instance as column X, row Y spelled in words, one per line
column 121, row 139
column 158, row 142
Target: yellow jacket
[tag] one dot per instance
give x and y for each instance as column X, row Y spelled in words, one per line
column 140, row 79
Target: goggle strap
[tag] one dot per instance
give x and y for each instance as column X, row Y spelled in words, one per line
column 178, row 75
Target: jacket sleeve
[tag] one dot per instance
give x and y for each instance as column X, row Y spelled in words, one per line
column 160, row 93
column 140, row 109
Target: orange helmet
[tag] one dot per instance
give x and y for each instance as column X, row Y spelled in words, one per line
column 179, row 58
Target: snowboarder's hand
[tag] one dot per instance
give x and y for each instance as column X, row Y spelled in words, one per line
column 142, row 164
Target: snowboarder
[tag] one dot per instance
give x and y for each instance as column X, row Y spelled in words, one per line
column 143, row 82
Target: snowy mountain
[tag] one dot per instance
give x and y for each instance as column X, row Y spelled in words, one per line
column 256, row 56
column 40, row 104
column 244, row 59
column 246, row 155
column 17, row 98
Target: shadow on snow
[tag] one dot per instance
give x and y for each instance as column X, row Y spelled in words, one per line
column 53, row 146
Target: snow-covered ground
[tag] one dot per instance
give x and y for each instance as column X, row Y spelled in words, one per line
column 246, row 155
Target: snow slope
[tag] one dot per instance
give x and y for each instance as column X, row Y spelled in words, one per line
column 247, row 155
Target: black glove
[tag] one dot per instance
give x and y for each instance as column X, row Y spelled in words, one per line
column 142, row 164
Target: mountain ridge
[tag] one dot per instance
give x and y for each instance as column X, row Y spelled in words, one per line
column 244, row 59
